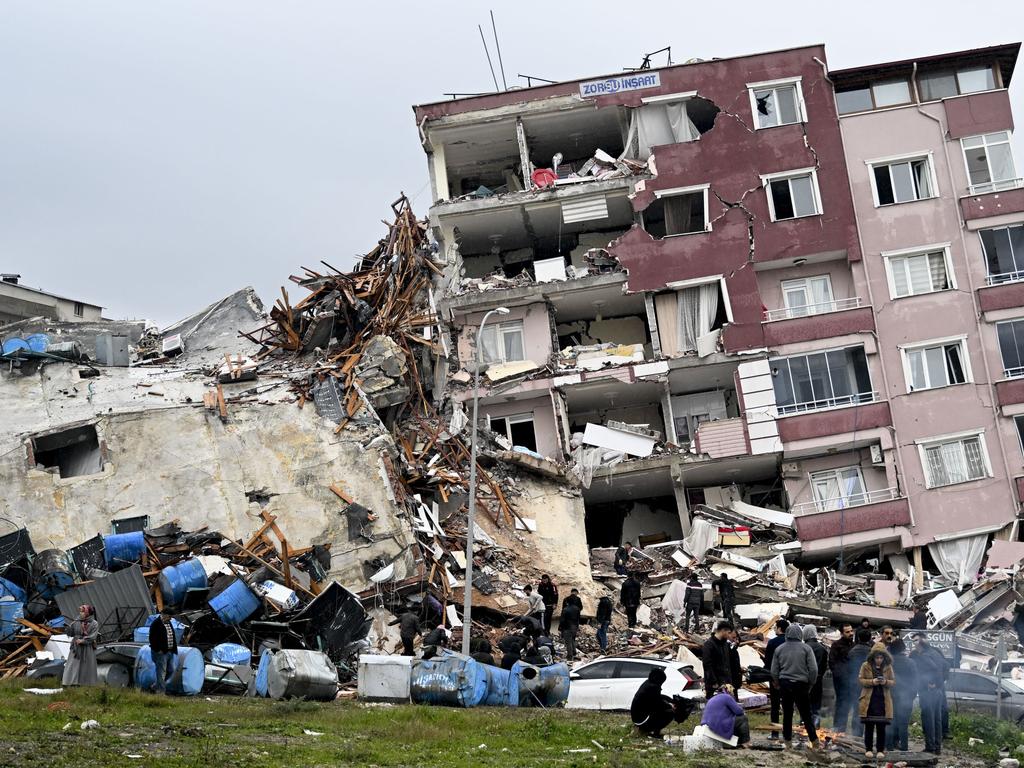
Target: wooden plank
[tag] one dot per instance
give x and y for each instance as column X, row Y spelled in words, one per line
column 336, row 490
column 223, row 406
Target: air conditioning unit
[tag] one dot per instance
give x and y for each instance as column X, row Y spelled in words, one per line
column 877, row 457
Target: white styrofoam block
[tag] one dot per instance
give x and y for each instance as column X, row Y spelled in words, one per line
column 617, row 440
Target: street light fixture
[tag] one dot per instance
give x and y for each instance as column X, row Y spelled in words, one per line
column 467, row 601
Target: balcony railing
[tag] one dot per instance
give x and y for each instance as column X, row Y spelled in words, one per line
column 1013, row 373
column 1004, row 277
column 858, row 398
column 806, row 310
column 995, row 186
column 845, row 502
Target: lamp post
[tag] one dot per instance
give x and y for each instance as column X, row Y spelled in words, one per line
column 467, row 600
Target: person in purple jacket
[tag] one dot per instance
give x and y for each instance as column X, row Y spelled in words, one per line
column 726, row 718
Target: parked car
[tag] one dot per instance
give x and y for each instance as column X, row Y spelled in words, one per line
column 970, row 691
column 610, row 683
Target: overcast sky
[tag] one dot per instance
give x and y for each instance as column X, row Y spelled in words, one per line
column 155, row 156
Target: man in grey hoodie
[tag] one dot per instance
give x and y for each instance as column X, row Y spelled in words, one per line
column 794, row 671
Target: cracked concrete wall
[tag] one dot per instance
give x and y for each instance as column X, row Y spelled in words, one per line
column 184, row 463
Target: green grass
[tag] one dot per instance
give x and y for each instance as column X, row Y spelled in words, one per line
column 229, row 732
column 994, row 733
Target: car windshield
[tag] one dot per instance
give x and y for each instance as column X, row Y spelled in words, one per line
column 1014, row 686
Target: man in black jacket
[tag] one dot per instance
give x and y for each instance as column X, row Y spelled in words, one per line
column 726, row 594
column 903, row 695
column 604, row 620
column 629, row 596
column 483, row 653
column 735, row 665
column 622, row 557
column 715, row 659
column 774, row 695
column 650, row 709
column 408, row 627
column 548, row 590
column 163, row 645
column 838, row 661
column 435, row 640
column 693, row 601
column 931, row 670
column 821, row 659
column 569, row 625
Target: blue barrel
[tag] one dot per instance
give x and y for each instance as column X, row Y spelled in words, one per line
column 188, row 676
column 177, row 580
column 141, row 634
column 236, row 603
column 38, row 342
column 52, row 573
column 123, row 549
column 502, row 687
column 452, row 680
column 13, row 345
column 230, row 654
column 10, row 589
column 263, row 673
column 542, row 686
column 10, row 612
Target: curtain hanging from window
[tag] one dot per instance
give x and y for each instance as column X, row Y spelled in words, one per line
column 698, row 307
column 666, row 307
column 959, row 560
column 660, row 124
column 821, row 296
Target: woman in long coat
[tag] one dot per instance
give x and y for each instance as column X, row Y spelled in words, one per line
column 80, row 666
column 876, row 680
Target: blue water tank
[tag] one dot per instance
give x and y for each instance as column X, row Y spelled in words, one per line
column 452, row 680
column 230, row 654
column 10, row 612
column 541, row 686
column 263, row 673
column 38, row 342
column 177, row 580
column 123, row 549
column 236, row 603
column 502, row 687
column 52, row 573
column 10, row 589
column 187, row 678
column 13, row 345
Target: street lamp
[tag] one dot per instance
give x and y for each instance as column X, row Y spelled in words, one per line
column 467, row 600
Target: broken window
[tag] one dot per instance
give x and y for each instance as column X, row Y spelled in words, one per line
column 669, row 120
column 689, row 319
column 808, row 296
column 952, row 461
column 72, row 452
column 821, row 380
column 518, row 429
column 989, row 161
column 793, row 194
column 903, row 181
column 1011, row 347
column 503, row 343
column 839, row 488
column 677, row 212
column 936, row 365
column 777, row 103
column 917, row 273
column 942, row 85
column 1004, row 253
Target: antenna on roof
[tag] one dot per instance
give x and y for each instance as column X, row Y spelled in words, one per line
column 497, row 45
column 489, row 64
column 646, row 63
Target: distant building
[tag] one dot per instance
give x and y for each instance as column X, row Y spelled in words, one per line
column 19, row 302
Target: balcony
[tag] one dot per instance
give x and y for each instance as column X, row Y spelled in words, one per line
column 857, row 398
column 986, row 204
column 840, row 317
column 1003, row 291
column 995, row 186
column 885, row 509
column 1010, row 391
column 844, row 502
column 834, row 417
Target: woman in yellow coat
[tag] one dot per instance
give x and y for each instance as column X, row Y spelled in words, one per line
column 876, row 678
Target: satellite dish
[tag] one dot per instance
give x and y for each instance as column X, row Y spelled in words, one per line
column 384, row 574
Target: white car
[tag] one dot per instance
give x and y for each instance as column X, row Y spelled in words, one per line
column 610, row 683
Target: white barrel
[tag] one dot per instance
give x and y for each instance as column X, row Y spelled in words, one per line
column 114, row 675
column 302, row 675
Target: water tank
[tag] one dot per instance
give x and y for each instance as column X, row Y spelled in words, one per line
column 542, row 686
column 177, row 580
column 235, row 604
column 13, row 345
column 122, row 549
column 114, row 675
column 302, row 675
column 452, row 680
column 187, row 678
column 230, row 654
column 259, row 681
column 384, row 678
column 10, row 612
column 52, row 572
column 502, row 687
column 38, row 342
column 10, row 589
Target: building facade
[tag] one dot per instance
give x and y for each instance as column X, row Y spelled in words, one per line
column 19, row 302
column 734, row 254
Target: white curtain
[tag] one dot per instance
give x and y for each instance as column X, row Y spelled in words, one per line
column 660, row 124
column 698, row 307
column 703, row 536
column 959, row 559
column 821, row 296
column 489, row 342
column 666, row 307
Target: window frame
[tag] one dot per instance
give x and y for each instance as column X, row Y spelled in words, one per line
column 897, row 160
column 958, row 437
column 1018, row 420
column 660, row 194
column 797, row 409
column 79, row 309
column 923, row 250
column 768, row 178
column 870, row 88
column 801, row 106
column 1016, row 275
column 1014, row 181
column 955, row 72
column 822, row 504
column 965, row 361
column 515, row 418
column 500, row 329
column 678, row 285
column 1002, row 360
column 792, row 282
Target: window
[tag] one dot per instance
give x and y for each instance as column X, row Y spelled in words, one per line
column 518, row 429
column 934, row 365
column 79, row 309
column 1004, row 253
column 637, row 669
column 777, row 103
column 1018, row 422
column 602, row 670
column 808, row 296
column 965, row 682
column 949, row 461
column 821, row 380
column 792, row 195
column 839, row 488
column 989, row 162
column 72, row 452
column 902, row 181
column 942, row 85
column 677, row 212
column 915, row 273
column 1011, row 347
column 503, row 343
column 886, row 93
column 669, row 119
